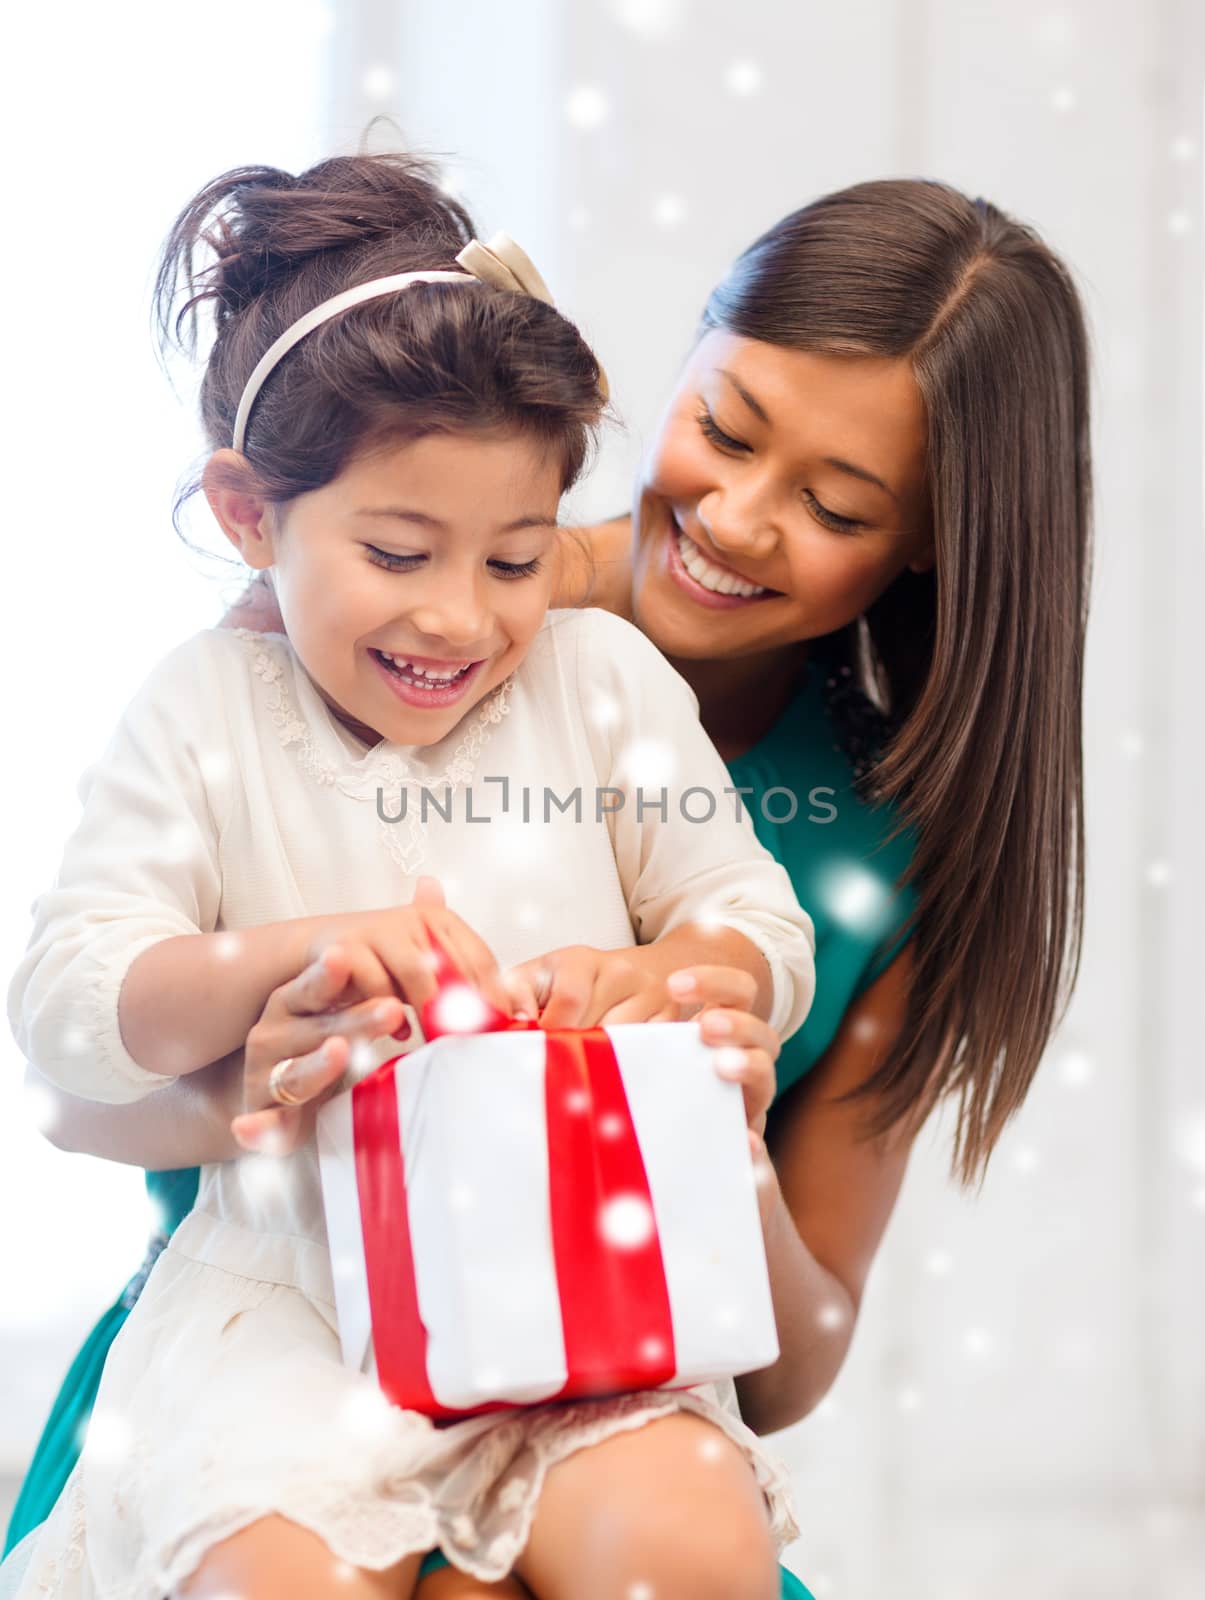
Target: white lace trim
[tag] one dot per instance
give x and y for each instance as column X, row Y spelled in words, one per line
column 383, row 770
column 481, row 1527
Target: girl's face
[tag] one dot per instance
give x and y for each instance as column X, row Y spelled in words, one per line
column 413, row 583
column 783, row 493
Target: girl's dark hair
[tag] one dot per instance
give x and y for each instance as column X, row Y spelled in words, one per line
column 978, row 663
column 260, row 247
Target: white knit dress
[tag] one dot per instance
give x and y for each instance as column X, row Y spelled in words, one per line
column 231, row 797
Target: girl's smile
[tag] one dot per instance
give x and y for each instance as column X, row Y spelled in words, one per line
column 413, row 583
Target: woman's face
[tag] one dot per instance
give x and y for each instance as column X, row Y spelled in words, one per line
column 784, row 491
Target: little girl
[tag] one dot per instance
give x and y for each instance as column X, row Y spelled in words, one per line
column 395, row 411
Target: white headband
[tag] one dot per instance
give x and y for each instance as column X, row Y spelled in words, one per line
column 499, row 263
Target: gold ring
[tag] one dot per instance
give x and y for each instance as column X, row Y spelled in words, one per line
column 276, row 1087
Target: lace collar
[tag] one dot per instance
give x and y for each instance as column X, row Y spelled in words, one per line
column 305, row 725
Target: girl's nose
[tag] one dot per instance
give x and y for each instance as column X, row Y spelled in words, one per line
column 457, row 614
column 738, row 521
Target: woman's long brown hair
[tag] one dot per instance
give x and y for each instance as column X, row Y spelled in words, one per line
column 981, row 660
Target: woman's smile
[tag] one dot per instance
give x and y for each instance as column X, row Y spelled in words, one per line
column 706, row 580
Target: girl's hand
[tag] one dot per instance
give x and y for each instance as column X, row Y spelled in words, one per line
column 390, row 951
column 580, row 987
column 361, row 968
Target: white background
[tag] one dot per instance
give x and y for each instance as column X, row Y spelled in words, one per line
column 1024, row 1409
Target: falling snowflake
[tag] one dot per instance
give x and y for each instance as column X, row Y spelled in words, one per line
column 214, row 766
column 460, row 1009
column 831, row 1317
column 1076, row 1069
column 109, row 1437
column 579, row 218
column 1190, row 1141
column 743, row 78
column 1025, row 1158
column 909, row 1398
column 577, row 1102
column 640, row 1590
column 651, row 19
column 939, row 1263
column 1179, row 223
column 41, row 1109
column 1158, row 874
column 587, row 107
column 1131, row 744
column 978, row 1343
column 513, row 1494
column 602, row 710
column 1063, row 99
column 626, row 1222
column 1183, row 148
column 228, row 946
column 652, row 1350
column 462, row 1197
column 855, row 897
column 611, row 1125
column 377, row 83
column 711, row 1450
column 366, row 1414
column 263, row 1174
column 669, row 210
column 650, row 764
column 362, row 1061
column 73, row 1041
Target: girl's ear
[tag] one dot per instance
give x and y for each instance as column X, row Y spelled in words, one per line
column 925, row 558
column 246, row 517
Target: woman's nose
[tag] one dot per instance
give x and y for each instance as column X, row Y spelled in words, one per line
column 738, row 521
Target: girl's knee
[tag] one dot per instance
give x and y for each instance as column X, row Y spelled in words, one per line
column 273, row 1557
column 674, row 1506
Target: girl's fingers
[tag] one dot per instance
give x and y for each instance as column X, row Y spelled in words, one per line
column 647, row 1007
column 713, row 986
column 319, row 985
column 429, row 894
column 271, row 1133
column 473, row 958
column 522, row 993
column 570, row 991
column 720, row 1027
column 307, row 1076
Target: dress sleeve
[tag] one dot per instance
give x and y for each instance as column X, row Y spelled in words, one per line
column 683, row 842
column 142, row 865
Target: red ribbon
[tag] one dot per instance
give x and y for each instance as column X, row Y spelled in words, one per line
column 617, row 1324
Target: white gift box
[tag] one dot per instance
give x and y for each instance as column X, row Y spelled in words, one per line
column 524, row 1216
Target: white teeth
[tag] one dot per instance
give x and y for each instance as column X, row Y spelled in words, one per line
column 422, row 672
column 711, row 577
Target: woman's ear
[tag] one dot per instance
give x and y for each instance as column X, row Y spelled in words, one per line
column 236, row 500
column 925, row 559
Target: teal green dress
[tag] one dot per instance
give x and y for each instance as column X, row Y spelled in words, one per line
column 806, row 811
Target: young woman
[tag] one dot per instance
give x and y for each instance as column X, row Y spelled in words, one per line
column 862, row 536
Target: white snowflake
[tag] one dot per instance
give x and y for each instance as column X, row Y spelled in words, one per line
column 228, row 946
column 1131, row 744
column 1183, row 148
column 743, row 78
column 939, row 1263
column 73, row 1040
column 611, row 1125
column 587, row 107
column 109, row 1437
column 1076, row 1069
column 1063, row 99
column 1190, row 1141
column 626, row 1222
column 40, row 1108
column 909, row 1398
column 978, row 1343
column 669, row 210
column 650, row 19
column 1179, row 222
column 366, row 1414
column 378, row 83
column 649, row 764
column 831, row 1317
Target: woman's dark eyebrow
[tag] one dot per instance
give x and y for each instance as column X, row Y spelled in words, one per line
column 759, row 411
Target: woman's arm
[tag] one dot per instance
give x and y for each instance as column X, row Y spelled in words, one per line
column 185, row 1124
column 834, row 1193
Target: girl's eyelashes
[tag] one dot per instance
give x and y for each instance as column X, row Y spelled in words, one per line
column 501, row 569
column 725, row 441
